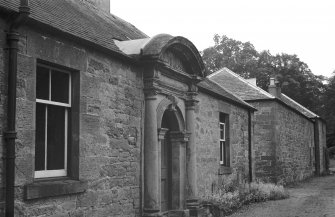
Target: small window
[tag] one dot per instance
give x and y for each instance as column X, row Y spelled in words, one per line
column 224, row 143
column 53, row 107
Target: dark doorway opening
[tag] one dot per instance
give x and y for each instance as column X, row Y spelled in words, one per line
column 169, row 122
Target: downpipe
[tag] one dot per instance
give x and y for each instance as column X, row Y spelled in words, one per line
column 10, row 133
column 249, row 146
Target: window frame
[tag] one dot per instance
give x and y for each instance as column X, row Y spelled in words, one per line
column 224, row 157
column 67, row 109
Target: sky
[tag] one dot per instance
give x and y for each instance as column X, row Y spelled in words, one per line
column 302, row 27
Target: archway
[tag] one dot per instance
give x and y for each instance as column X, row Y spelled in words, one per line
column 172, row 140
column 169, row 124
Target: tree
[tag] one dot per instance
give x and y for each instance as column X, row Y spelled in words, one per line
column 235, row 55
column 295, row 77
column 329, row 105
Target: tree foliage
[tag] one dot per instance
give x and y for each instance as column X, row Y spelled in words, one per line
column 329, row 111
column 295, row 77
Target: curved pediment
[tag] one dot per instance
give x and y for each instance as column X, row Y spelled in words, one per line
column 176, row 52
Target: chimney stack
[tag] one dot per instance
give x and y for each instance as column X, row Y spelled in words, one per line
column 252, row 81
column 274, row 88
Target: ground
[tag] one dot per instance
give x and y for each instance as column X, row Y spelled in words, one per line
column 313, row 198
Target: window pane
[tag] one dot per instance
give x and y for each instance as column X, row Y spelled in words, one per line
column 224, row 153
column 40, row 137
column 60, row 87
column 224, row 133
column 56, row 137
column 42, row 83
column 221, row 150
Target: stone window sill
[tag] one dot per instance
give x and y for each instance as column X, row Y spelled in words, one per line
column 225, row 170
column 52, row 188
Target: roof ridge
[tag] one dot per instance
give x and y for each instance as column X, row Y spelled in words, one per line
column 301, row 106
column 246, row 82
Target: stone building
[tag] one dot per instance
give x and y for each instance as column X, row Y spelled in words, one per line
column 98, row 119
column 290, row 140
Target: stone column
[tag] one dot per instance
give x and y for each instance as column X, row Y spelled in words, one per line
column 178, row 142
column 151, row 158
column 192, row 201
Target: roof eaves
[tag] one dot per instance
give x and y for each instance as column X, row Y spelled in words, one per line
column 301, row 106
column 244, row 102
column 215, row 94
column 282, row 103
column 34, row 23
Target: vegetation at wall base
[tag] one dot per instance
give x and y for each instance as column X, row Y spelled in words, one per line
column 222, row 203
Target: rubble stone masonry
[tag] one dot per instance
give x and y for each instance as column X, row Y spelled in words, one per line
column 284, row 143
column 207, row 140
column 295, row 146
column 111, row 105
column 264, row 147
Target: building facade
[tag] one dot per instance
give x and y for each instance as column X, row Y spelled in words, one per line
column 289, row 139
column 98, row 119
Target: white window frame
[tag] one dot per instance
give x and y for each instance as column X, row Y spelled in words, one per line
column 61, row 172
column 222, row 143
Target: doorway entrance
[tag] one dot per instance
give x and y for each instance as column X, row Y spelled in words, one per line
column 170, row 125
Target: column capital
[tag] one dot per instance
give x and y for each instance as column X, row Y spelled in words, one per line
column 191, row 103
column 151, row 88
column 161, row 133
column 151, row 93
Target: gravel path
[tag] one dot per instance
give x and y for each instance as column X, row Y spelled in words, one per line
column 314, row 198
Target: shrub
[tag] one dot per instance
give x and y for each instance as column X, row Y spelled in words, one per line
column 258, row 192
column 228, row 198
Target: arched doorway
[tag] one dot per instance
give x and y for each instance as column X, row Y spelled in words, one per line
column 172, row 142
column 169, row 124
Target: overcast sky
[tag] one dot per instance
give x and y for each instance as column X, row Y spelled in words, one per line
column 302, row 27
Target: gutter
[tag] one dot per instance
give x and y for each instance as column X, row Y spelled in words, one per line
column 284, row 104
column 212, row 93
column 10, row 133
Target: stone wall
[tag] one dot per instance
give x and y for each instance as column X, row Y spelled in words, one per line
column 111, row 105
column 320, row 146
column 264, row 143
column 295, row 146
column 3, row 116
column 207, row 141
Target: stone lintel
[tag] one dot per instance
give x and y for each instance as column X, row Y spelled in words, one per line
column 178, row 136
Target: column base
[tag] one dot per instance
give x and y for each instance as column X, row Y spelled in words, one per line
column 194, row 207
column 151, row 213
column 178, row 213
column 170, row 213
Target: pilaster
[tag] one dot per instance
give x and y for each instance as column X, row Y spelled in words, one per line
column 151, row 156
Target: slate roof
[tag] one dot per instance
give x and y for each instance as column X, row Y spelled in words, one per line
column 249, row 92
column 215, row 88
column 290, row 102
column 238, row 85
column 80, row 19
